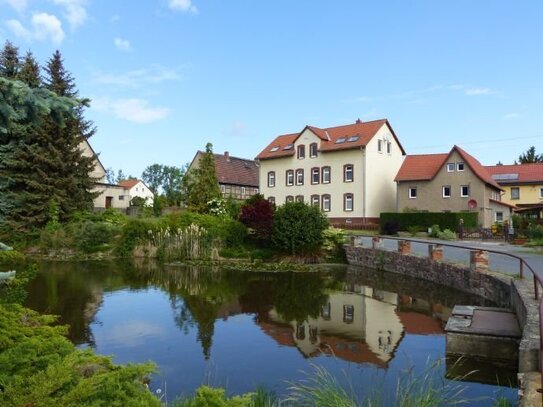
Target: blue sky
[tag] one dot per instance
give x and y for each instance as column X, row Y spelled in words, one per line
column 167, row 76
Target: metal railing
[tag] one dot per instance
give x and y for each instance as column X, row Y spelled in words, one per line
column 523, row 265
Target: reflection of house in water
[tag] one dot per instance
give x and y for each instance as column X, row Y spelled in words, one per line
column 421, row 317
column 358, row 325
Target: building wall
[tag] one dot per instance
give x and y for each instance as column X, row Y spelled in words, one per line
column 237, row 191
column 99, row 173
column 141, row 190
column 528, row 194
column 373, row 172
column 120, row 198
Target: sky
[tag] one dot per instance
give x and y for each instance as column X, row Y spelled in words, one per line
column 167, row 76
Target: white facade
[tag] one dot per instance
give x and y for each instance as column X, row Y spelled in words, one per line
column 346, row 200
column 141, row 190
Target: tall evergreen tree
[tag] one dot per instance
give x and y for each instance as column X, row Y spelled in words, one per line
column 72, row 169
column 30, row 71
column 530, row 156
column 204, row 186
column 9, row 61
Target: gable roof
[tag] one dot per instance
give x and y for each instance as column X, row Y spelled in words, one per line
column 426, row 166
column 515, row 174
column 328, row 136
column 129, row 183
column 236, row 171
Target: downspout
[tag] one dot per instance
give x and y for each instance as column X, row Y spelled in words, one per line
column 363, row 184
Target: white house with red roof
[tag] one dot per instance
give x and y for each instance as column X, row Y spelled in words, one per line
column 137, row 188
column 451, row 182
column 348, row 171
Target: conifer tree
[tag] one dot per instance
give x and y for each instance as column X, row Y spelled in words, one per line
column 9, row 61
column 204, row 186
column 29, row 72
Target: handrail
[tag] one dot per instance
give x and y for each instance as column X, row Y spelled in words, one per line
column 537, row 279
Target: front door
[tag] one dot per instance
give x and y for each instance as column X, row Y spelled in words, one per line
column 109, row 200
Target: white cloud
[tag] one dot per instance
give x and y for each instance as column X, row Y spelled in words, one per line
column 122, row 45
column 479, row 91
column 510, row 116
column 134, row 110
column 47, row 27
column 139, row 77
column 19, row 5
column 185, row 6
column 74, row 11
column 19, row 30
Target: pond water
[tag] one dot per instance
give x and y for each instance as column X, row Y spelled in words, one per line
column 240, row 330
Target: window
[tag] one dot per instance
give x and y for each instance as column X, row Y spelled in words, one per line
column 301, row 151
column 380, row 145
column 289, row 177
column 348, row 314
column 446, row 191
column 223, row 189
column 288, row 147
column 348, row 202
column 299, row 198
column 243, row 191
column 499, row 217
column 348, row 173
column 315, row 175
column 450, row 167
column 341, row 140
column 389, row 147
column 313, row 150
column 315, row 200
column 460, row 166
column 326, row 203
column 271, row 179
column 326, row 311
column 299, row 177
column 541, row 192
column 464, row 191
column 325, row 175
column 352, row 139
column 271, row 199
column 289, row 198
column 412, row 192
column 121, row 197
column 274, row 149
column 515, row 193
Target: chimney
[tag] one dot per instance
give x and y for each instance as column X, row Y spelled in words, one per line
column 358, row 121
column 227, row 155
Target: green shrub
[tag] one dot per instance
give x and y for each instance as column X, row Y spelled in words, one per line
column 133, row 232
column 113, row 217
column 446, row 220
column 215, row 397
column 234, row 253
column 413, row 230
column 298, row 228
column 447, row 234
column 56, row 238
column 435, row 231
column 11, row 257
column 93, row 236
column 535, row 231
column 390, row 227
column 334, row 239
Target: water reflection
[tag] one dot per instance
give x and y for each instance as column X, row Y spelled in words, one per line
column 245, row 325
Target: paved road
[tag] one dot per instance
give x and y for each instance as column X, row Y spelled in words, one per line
column 496, row 261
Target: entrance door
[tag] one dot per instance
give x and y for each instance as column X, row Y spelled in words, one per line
column 109, row 200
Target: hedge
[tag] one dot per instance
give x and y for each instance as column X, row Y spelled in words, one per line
column 445, row 220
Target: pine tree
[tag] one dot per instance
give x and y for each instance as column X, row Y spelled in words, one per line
column 9, row 61
column 30, row 71
column 72, row 169
column 530, row 157
column 204, row 186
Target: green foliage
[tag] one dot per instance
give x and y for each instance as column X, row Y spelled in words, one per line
column 90, row 236
column 530, row 156
column 11, row 257
column 203, row 186
column 446, row 220
column 233, row 207
column 334, row 239
column 434, row 231
column 13, row 291
column 138, row 201
column 217, row 207
column 298, row 228
column 215, row 397
column 535, row 231
column 447, row 234
column 413, row 230
column 133, row 232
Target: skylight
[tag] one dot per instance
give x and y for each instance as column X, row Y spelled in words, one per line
column 353, row 138
column 274, row 149
column 288, row 147
column 341, row 140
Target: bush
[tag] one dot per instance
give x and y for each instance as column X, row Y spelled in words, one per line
column 53, row 238
column 333, row 244
column 447, row 234
column 257, row 214
column 93, row 236
column 135, row 231
column 535, row 231
column 413, row 230
column 435, row 231
column 298, row 228
column 390, row 227
column 215, row 397
column 446, row 220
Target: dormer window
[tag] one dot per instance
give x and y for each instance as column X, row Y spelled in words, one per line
column 301, row 151
column 313, row 148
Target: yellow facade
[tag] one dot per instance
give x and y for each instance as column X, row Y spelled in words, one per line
column 527, row 194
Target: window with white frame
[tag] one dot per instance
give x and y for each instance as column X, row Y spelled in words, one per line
column 348, row 173
column 460, row 166
column 348, row 314
column 289, row 177
column 299, row 177
column 315, row 175
column 271, row 179
column 243, row 191
column 315, row 200
column 412, row 192
column 380, row 145
column 348, row 202
column 271, row 199
column 325, row 175
column 223, row 188
column 464, row 191
column 450, row 167
column 289, row 198
column 313, row 150
column 515, row 193
column 446, row 191
column 326, row 204
column 301, row 151
column 499, row 217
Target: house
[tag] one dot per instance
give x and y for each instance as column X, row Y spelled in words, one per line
column 237, row 177
column 523, row 186
column 450, row 182
column 137, row 188
column 110, row 195
column 348, row 171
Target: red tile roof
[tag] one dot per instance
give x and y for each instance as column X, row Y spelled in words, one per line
column 420, row 324
column 516, row 174
column 364, row 130
column 425, row 167
column 236, row 171
column 128, row 183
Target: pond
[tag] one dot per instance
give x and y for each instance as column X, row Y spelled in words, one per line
column 240, row 330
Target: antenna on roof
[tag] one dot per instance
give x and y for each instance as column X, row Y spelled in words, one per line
column 358, row 121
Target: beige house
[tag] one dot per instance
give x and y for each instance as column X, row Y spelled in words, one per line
column 110, row 195
column 137, row 188
column 450, row 182
column 348, row 171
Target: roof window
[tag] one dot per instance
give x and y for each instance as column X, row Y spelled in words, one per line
column 341, row 140
column 353, row 138
column 288, row 147
column 274, row 149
